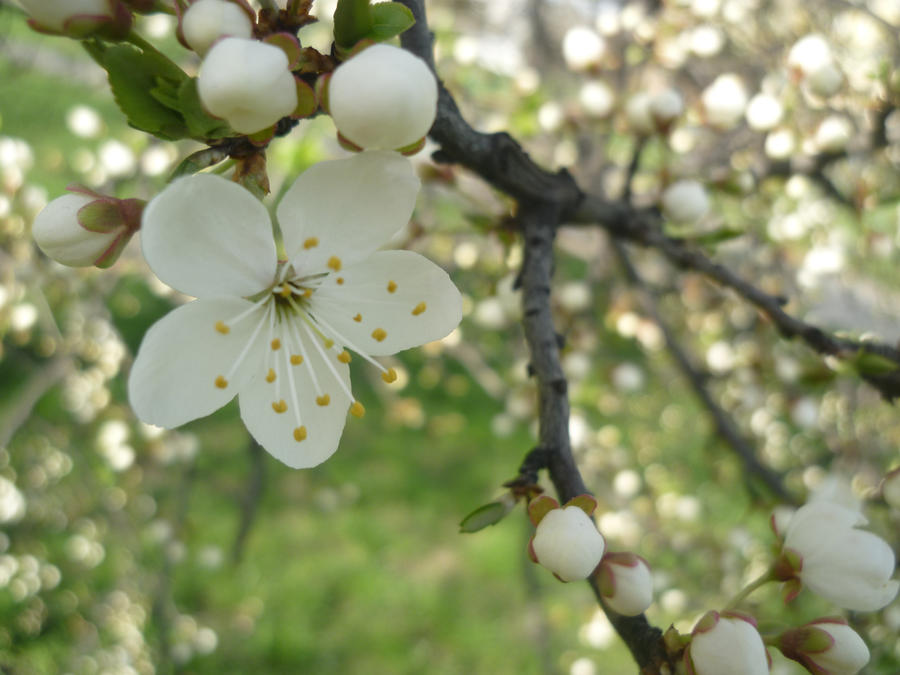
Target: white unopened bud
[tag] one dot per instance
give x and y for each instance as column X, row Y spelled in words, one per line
column 59, row 234
column 825, row 81
column 724, row 101
column 825, row 551
column 890, row 489
column 726, row 644
column 764, row 112
column 637, row 112
column 625, row 583
column 826, row 647
column 597, row 98
column 54, row 14
column 568, row 544
column 665, row 106
column 809, row 54
column 206, row 21
column 582, row 48
column 685, row 201
column 384, row 98
column 833, row 134
column 247, row 83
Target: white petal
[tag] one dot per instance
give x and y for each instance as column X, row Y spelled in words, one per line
column 424, row 305
column 173, row 379
column 323, row 424
column 346, row 208
column 206, row 236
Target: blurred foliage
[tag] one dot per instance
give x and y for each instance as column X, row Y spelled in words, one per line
column 130, row 549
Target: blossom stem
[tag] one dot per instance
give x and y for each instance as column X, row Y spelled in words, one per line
column 749, row 588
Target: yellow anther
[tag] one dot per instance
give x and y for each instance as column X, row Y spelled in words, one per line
column 300, row 434
column 389, row 376
column 296, row 359
column 379, row 334
column 323, row 400
column 344, row 357
column 275, row 344
column 286, row 291
column 221, row 382
column 328, row 342
column 279, row 406
column 312, row 242
column 270, row 376
column 392, row 286
column 307, row 293
column 418, row 309
column 357, row 318
column 340, row 281
column 334, row 263
column 222, row 328
column 357, row 409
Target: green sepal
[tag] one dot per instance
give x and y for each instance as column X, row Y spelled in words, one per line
column 483, row 516
column 389, row 19
column 352, row 22
column 307, row 101
column 200, row 123
column 100, row 216
column 202, row 159
column 289, row 44
column 110, row 255
column 412, row 148
column 133, row 76
column 540, row 507
column 584, row 502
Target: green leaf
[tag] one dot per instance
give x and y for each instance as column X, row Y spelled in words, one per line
column 133, row 76
column 867, row 363
column 389, row 19
column 202, row 159
column 483, row 516
column 200, row 123
column 352, row 22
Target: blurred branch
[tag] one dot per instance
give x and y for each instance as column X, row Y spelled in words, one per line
column 250, row 501
column 724, row 424
column 37, row 385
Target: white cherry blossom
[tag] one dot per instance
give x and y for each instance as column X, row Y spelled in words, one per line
column 726, row 644
column 205, row 21
column 277, row 332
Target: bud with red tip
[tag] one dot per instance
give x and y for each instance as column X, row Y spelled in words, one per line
column 86, row 228
column 625, row 583
column 826, row 646
column 726, row 644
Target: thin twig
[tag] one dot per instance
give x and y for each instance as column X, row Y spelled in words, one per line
column 250, row 501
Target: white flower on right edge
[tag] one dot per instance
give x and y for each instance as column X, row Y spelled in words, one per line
column 825, row 551
column 277, row 332
column 726, row 644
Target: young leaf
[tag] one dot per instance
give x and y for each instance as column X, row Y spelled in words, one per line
column 483, row 516
column 389, row 19
column 352, row 22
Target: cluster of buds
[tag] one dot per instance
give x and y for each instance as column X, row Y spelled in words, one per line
column 566, row 541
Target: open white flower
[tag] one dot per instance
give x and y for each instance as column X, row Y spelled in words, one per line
column 824, row 550
column 277, row 332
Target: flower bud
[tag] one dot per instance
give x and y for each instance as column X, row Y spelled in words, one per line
column 809, row 53
column 86, row 228
column 384, row 98
column 825, row 647
column 247, row 83
column 890, row 489
column 833, row 134
column 637, row 112
column 78, row 18
column 206, row 21
column 567, row 543
column 764, row 112
column 625, row 583
column 724, row 101
column 665, row 107
column 685, row 201
column 825, row 81
column 825, row 551
column 582, row 48
column 726, row 644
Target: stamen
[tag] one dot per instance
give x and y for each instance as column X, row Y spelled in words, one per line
column 222, row 328
column 357, row 318
column 307, row 292
column 334, row 263
column 246, row 349
column 296, row 359
column 327, row 362
column 323, row 400
column 389, row 376
column 379, row 334
column 275, row 344
column 270, row 376
column 300, row 430
column 340, row 281
column 279, row 406
column 418, row 309
column 357, row 409
column 312, row 242
column 295, row 333
column 300, row 434
column 328, row 342
column 286, row 291
column 344, row 357
column 348, row 343
column 392, row 286
column 221, row 382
